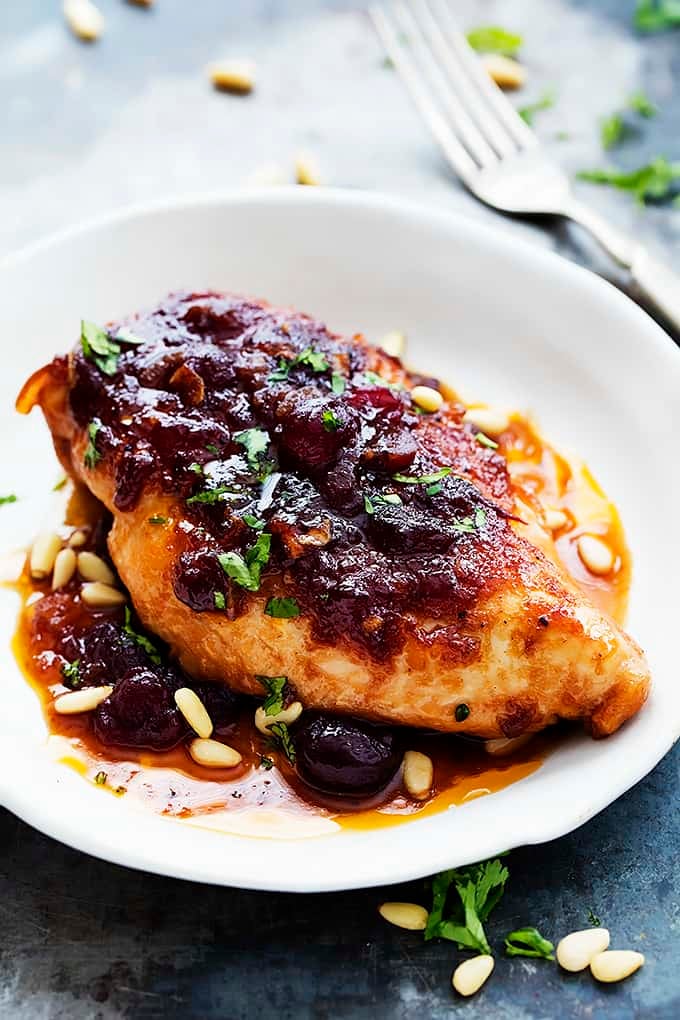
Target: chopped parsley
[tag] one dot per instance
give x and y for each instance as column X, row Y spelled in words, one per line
column 70, row 673
column 641, row 104
column 11, row 498
column 99, row 347
column 246, row 571
column 528, row 942
column 285, row 608
column 493, row 39
column 274, row 686
column 480, row 517
column 157, row 519
column 434, row 489
column 436, row 476
column 253, row 522
column 485, row 441
column 212, row 448
column 478, row 889
column 331, row 422
column 338, row 384
column 196, row 468
column 528, row 112
column 100, row 778
column 373, row 379
column 215, row 495
column 381, row 499
column 58, row 486
column 266, row 762
column 282, row 738
column 126, row 336
column 612, row 130
column 120, row 790
column 141, row 640
column 92, row 454
column 593, row 918
column 310, row 358
column 220, row 601
column 656, row 15
column 657, row 180
column 461, row 713
column 255, row 443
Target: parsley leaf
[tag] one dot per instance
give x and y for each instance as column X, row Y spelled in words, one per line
column 545, row 102
column 656, row 15
column 100, row 778
column 253, row 522
column 274, row 686
column 266, row 762
column 528, row 942
column 612, row 130
column 479, row 887
column 283, row 740
column 157, row 519
column 70, row 673
column 126, row 336
column 331, row 422
column 642, row 105
column 381, row 499
column 316, row 360
column 337, row 384
column 141, row 640
column 246, row 571
column 593, row 918
column 58, row 486
column 657, row 179
column 99, row 347
column 92, row 455
column 282, row 608
column 493, row 39
column 436, row 476
column 255, row 443
column 220, row 601
column 8, row 499
column 373, row 379
column 215, row 495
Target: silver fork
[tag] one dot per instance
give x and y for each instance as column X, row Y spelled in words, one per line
column 496, row 155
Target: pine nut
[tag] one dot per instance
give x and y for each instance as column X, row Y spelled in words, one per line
column 287, row 715
column 595, row 554
column 411, row 916
column 81, row 701
column 426, row 398
column 418, row 774
column 306, row 170
column 575, row 951
column 101, row 596
column 213, row 754
column 554, row 519
column 470, row 975
column 77, row 539
column 93, row 568
column 64, row 568
column 43, row 554
column 393, row 343
column 505, row 71
column 615, row 964
column 488, row 420
column 84, row 19
column 501, row 746
column 233, row 76
column 194, row 711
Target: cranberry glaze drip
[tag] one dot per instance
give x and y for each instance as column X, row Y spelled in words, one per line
column 300, row 451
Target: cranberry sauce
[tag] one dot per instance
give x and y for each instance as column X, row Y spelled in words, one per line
column 300, row 455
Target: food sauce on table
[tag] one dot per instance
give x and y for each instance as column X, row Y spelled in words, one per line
column 172, row 784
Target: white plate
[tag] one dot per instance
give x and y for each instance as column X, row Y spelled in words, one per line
column 503, row 322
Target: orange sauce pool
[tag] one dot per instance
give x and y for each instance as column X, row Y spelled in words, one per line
column 172, row 784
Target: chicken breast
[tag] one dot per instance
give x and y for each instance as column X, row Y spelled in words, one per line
column 280, row 507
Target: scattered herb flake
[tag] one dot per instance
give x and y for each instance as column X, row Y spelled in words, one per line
column 593, row 918
column 253, row 522
column 120, row 790
column 436, row 476
column 285, row 608
column 274, row 686
column 141, row 640
column 58, row 486
column 641, row 103
column 255, row 443
column 373, row 379
column 485, row 441
column 657, row 180
column 246, row 571
column 316, row 360
column 70, row 673
column 92, row 454
column 220, row 601
column 100, row 778
column 493, row 39
column 657, row 15
column 479, row 887
column 266, row 762
column 157, row 519
column 612, row 130
column 283, row 740
column 11, row 498
column 461, row 713
column 381, row 499
column 528, row 942
column 212, row 448
column 126, row 336
column 434, row 489
column 480, row 517
column 98, row 347
column 196, row 468
column 215, row 495
column 338, row 384
column 528, row 112
column 331, row 422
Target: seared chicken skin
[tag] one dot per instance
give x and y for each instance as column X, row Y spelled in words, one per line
column 280, row 508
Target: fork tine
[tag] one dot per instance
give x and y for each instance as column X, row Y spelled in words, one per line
column 462, row 164
column 469, row 95
column 506, row 113
column 421, row 47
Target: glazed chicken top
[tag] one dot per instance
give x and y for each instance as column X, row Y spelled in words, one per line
column 282, row 507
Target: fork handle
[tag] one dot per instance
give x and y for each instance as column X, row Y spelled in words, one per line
column 655, row 280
